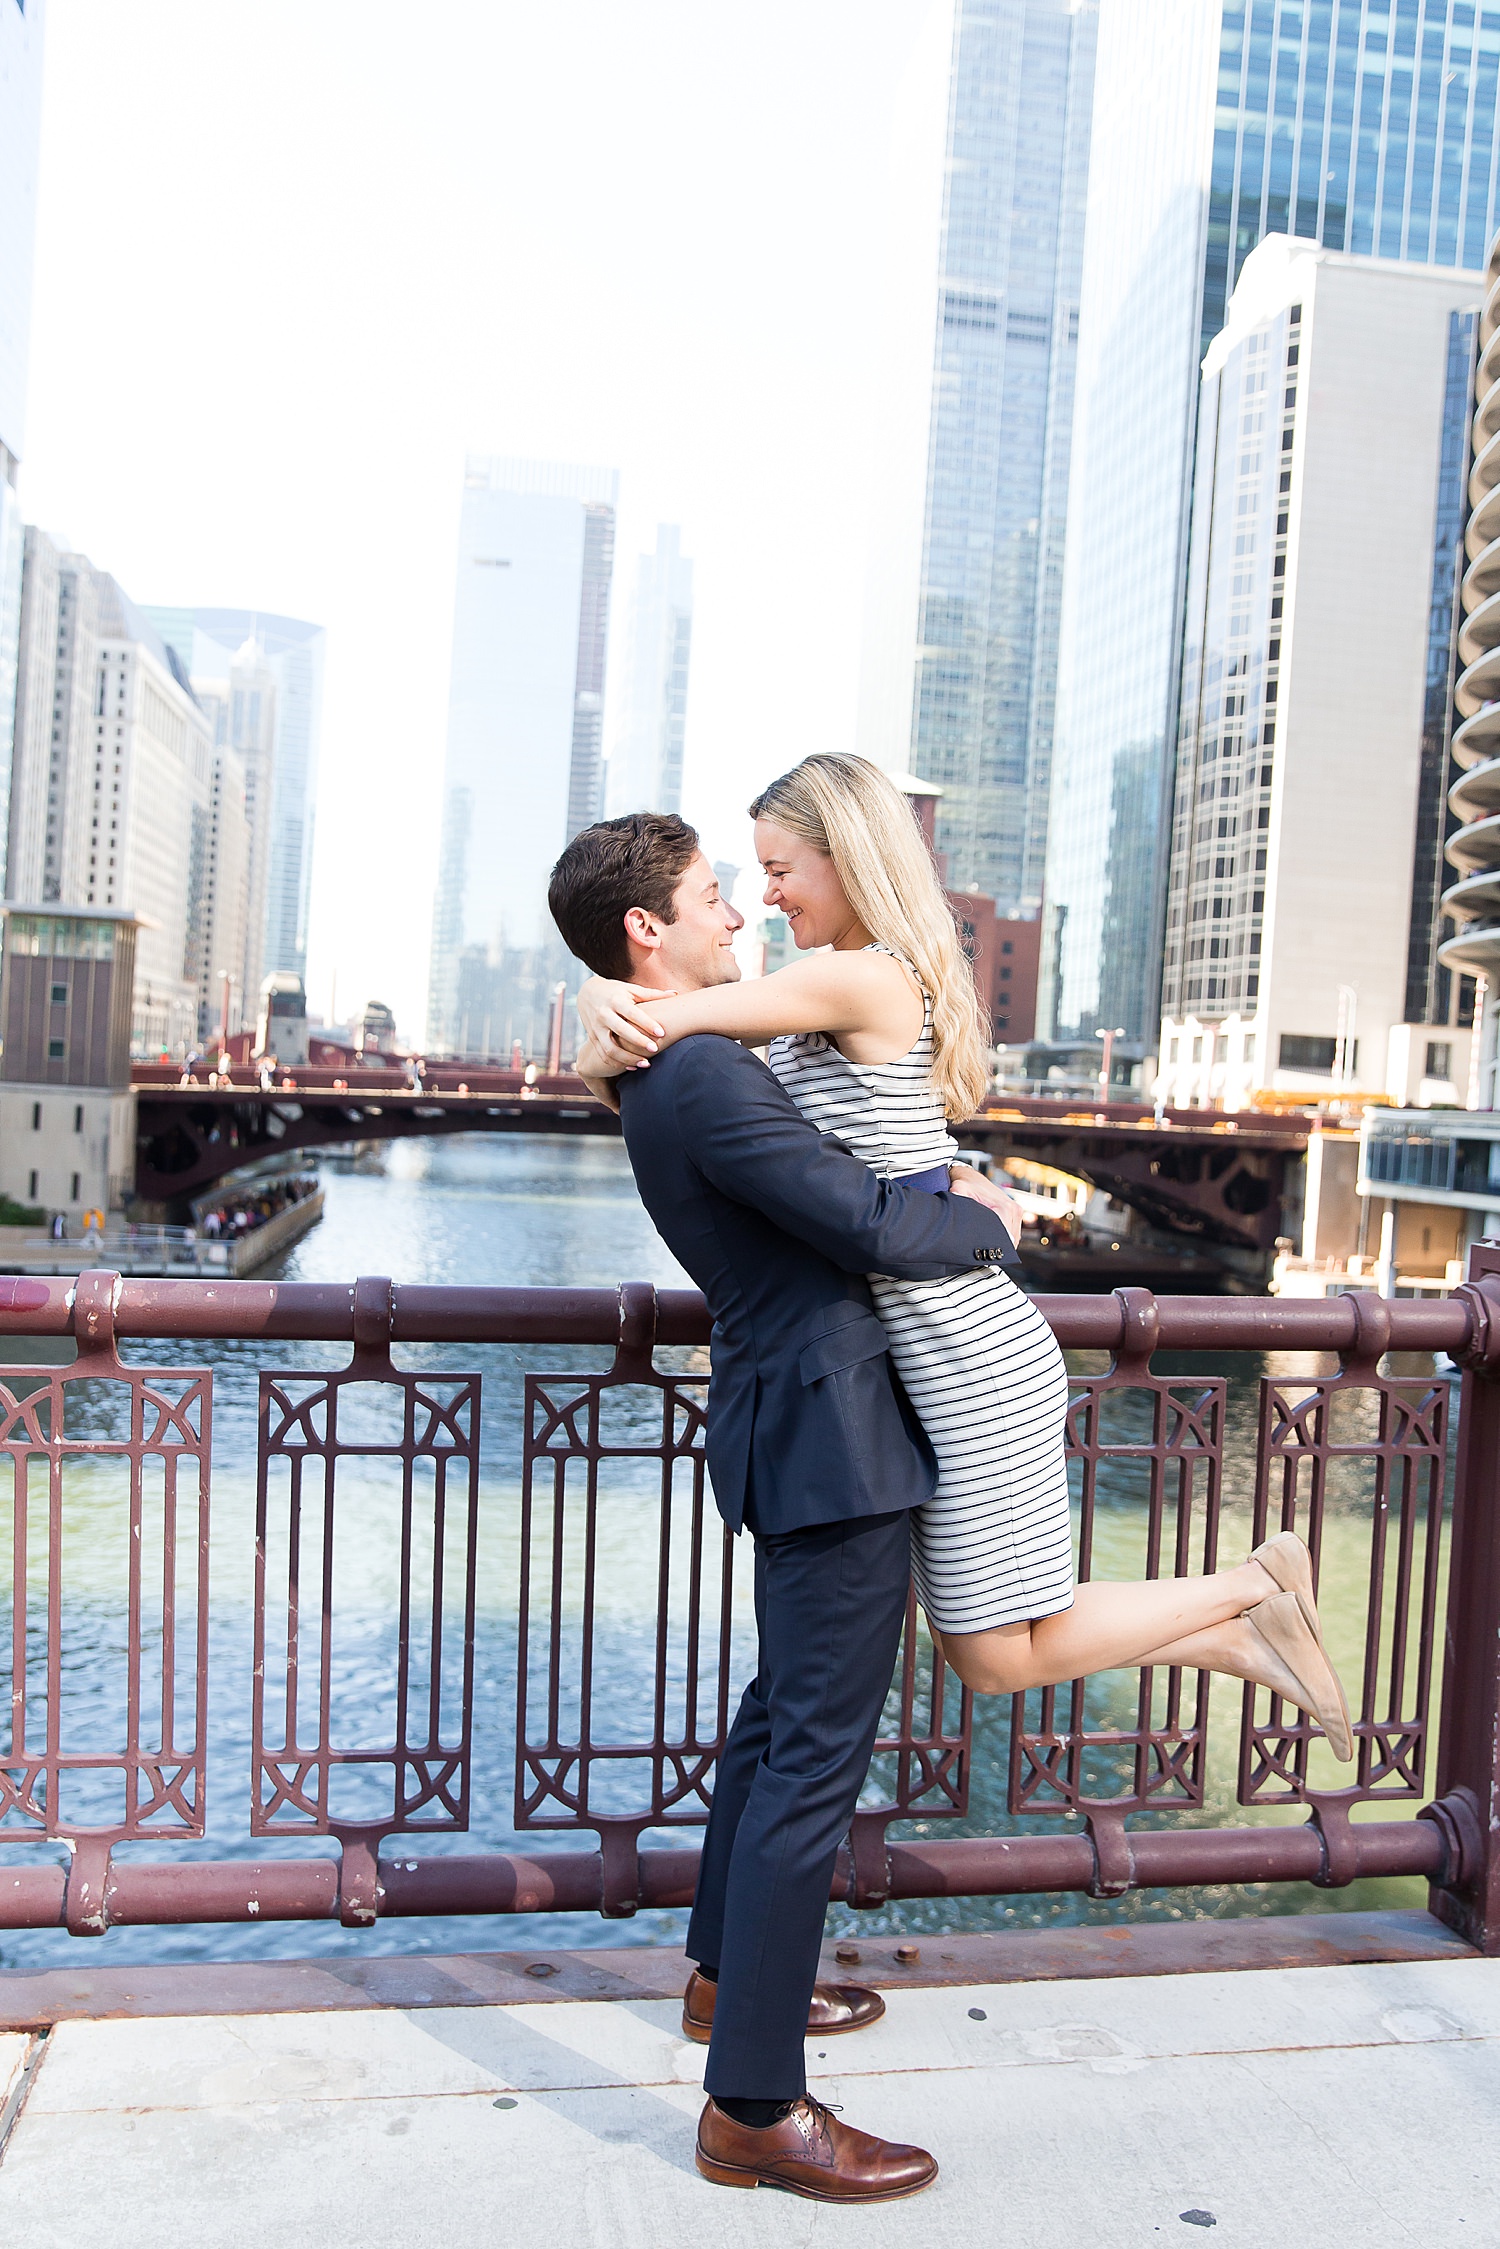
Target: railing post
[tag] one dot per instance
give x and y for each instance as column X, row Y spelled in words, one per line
column 1468, row 1766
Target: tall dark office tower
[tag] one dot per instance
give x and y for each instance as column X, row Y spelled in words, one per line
column 1002, row 398
column 1363, row 125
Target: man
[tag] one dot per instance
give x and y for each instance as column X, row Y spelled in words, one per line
column 814, row 1449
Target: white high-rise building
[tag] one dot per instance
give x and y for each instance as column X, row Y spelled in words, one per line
column 52, row 768
column 149, row 818
column 1327, row 511
column 280, row 756
column 241, row 712
column 20, row 132
column 523, row 768
column 645, row 759
column 222, row 1001
column 130, row 794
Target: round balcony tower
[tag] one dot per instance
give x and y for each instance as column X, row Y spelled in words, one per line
column 1473, row 851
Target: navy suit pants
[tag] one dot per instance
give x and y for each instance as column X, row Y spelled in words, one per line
column 829, row 1601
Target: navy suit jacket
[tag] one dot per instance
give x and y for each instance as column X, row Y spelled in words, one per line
column 778, row 1224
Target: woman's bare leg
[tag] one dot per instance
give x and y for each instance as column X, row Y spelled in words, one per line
column 1111, row 1624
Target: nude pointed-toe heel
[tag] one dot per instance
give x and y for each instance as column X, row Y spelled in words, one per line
column 1279, row 1621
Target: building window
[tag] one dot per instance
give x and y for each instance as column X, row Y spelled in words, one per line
column 56, row 1049
column 36, row 1116
column 59, row 995
column 77, row 1184
column 1307, row 1054
column 1439, row 1058
column 78, row 1118
column 31, row 1185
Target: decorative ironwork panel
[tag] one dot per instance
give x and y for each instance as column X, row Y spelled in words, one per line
column 603, row 1741
column 1363, row 1458
column 1161, row 1439
column 920, row 1767
column 362, row 1708
column 109, row 1476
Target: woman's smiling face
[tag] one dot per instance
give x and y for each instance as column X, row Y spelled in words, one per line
column 801, row 883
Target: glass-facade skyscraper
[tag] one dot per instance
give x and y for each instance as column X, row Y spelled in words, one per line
column 1007, row 329
column 645, row 760
column 20, row 130
column 524, row 767
column 1364, row 125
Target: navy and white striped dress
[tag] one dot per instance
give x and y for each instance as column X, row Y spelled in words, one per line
column 994, row 1545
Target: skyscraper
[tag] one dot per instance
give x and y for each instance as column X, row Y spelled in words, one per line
column 523, row 767
column 57, row 691
column 149, row 816
column 20, row 126
column 1364, row 125
column 281, row 759
column 645, row 759
column 1298, row 896
column 997, row 476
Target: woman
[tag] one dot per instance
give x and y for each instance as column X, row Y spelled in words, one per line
column 876, row 1036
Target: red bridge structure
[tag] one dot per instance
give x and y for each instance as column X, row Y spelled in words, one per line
column 379, row 1761
column 1199, row 1174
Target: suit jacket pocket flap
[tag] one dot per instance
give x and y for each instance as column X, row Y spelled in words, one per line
column 845, row 1346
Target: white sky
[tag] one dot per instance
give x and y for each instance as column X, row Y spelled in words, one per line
column 296, row 257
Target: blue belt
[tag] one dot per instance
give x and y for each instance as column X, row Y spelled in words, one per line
column 933, row 1182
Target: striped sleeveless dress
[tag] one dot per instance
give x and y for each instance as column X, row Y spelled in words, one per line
column 994, row 1544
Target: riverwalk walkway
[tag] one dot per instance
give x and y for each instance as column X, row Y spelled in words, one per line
column 1352, row 2103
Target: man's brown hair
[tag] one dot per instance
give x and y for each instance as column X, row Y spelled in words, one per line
column 607, row 869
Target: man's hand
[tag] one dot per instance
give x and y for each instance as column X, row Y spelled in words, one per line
column 618, row 1023
column 965, row 1180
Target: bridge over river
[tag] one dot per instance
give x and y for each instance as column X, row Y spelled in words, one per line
column 1207, row 1178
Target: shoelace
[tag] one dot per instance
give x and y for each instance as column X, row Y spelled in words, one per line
column 820, row 2113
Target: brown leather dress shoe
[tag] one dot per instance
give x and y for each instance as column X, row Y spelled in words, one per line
column 835, row 2008
column 810, row 2153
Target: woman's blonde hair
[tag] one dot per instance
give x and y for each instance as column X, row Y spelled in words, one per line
column 849, row 810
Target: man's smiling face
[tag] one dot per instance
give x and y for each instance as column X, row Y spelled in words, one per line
column 694, row 951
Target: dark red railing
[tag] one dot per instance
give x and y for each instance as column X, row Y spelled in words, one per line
column 580, row 1766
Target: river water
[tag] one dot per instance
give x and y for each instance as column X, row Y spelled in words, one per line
column 533, row 1211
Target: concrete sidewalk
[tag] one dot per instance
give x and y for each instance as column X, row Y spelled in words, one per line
column 1357, row 2105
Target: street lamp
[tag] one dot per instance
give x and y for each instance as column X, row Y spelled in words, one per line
column 1109, row 1038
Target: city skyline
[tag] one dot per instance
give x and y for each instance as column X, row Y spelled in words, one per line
column 302, row 451
column 211, row 642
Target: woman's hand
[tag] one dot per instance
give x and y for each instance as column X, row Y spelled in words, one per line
column 618, row 1024
column 965, row 1180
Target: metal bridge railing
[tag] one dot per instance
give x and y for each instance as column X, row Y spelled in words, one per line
column 1114, row 1803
